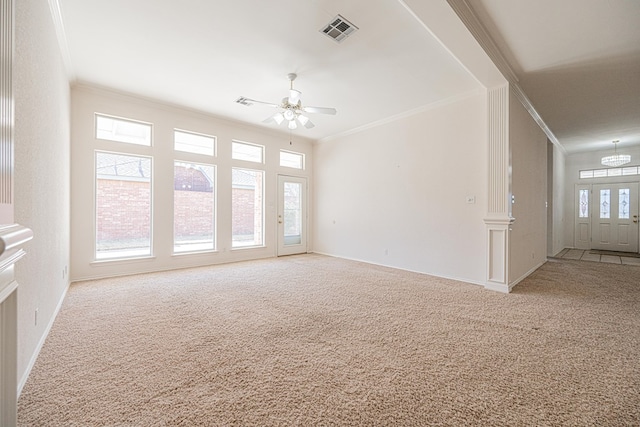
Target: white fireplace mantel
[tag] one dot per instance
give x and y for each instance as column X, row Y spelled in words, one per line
column 12, row 239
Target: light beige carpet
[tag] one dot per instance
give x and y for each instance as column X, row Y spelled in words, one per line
column 318, row 341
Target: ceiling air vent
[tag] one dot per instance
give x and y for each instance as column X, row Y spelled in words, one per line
column 244, row 101
column 339, row 28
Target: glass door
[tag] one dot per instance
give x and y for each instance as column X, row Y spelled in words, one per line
column 292, row 215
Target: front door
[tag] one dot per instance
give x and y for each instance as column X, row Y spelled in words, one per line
column 615, row 217
column 292, row 215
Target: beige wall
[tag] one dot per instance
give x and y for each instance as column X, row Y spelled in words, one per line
column 86, row 101
column 41, row 175
column 396, row 194
column 528, row 238
column 559, row 217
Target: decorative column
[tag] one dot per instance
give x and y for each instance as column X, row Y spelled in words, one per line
column 498, row 219
column 12, row 236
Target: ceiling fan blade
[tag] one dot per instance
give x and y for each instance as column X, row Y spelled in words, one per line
column 294, row 96
column 248, row 102
column 320, row 110
column 304, row 121
column 277, row 117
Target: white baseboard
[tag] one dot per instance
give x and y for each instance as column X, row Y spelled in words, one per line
column 457, row 279
column 525, row 275
column 36, row 353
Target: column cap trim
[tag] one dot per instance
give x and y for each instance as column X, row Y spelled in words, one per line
column 499, row 220
column 13, row 237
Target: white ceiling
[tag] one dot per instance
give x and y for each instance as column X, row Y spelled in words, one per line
column 579, row 63
column 205, row 54
column 577, row 60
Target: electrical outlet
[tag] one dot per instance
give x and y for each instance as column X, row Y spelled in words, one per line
column 36, row 318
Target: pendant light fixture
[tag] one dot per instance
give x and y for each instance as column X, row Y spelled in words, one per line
column 616, row 159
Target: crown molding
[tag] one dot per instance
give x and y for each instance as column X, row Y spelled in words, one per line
column 61, row 35
column 470, row 19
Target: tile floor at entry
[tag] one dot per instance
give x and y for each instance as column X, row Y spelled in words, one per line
column 584, row 255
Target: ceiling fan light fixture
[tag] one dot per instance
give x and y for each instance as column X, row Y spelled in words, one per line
column 303, row 119
column 292, row 125
column 616, row 159
column 289, row 115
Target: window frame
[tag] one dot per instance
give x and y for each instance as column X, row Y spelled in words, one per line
column 214, row 148
column 214, row 208
column 95, row 207
column 262, row 148
column 302, row 159
column 122, row 119
column 263, row 210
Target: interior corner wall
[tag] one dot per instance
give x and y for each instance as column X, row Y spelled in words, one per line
column 86, row 101
column 528, row 236
column 409, row 194
column 41, row 175
column 557, row 197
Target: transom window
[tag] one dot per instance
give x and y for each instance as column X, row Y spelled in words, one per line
column 247, row 151
column 191, row 142
column 609, row 172
column 123, row 130
column 291, row 159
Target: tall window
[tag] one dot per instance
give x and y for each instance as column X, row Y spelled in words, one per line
column 193, row 207
column 123, row 205
column 247, row 207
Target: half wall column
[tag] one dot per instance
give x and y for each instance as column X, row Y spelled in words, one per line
column 498, row 219
column 12, row 236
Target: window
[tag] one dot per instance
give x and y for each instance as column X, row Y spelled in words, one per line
column 193, row 207
column 290, row 159
column 623, row 203
column 584, row 204
column 248, row 152
column 601, row 173
column 196, row 143
column 247, row 207
column 123, row 130
column 123, row 206
column 605, row 203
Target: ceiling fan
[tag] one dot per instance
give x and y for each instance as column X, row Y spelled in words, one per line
column 290, row 109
